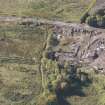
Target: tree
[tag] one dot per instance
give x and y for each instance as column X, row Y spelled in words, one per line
column 103, row 21
column 92, row 21
column 99, row 20
column 84, row 17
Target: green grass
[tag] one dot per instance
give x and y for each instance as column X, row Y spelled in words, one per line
column 20, row 79
column 92, row 4
column 19, row 84
column 22, row 41
column 66, row 10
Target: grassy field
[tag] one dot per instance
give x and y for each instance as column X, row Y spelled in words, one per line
column 19, row 84
column 66, row 10
column 20, row 50
column 20, row 41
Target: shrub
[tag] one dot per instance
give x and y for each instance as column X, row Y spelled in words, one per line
column 92, row 21
column 101, row 21
column 84, row 17
column 96, row 21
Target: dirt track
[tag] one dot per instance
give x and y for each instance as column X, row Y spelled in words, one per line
column 34, row 20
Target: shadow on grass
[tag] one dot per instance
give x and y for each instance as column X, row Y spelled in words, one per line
column 75, row 89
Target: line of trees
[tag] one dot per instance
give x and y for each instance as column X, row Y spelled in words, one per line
column 96, row 21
